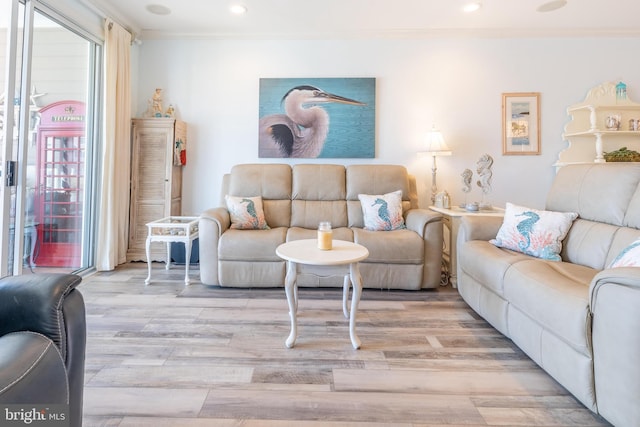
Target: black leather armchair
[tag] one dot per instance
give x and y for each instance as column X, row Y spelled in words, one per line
column 42, row 341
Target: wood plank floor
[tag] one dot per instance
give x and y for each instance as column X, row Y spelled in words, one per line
column 170, row 355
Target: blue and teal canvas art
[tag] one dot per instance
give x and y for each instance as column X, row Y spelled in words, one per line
column 317, row 118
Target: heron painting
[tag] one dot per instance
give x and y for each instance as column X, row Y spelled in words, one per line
column 323, row 117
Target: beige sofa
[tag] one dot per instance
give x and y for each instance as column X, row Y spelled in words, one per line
column 296, row 198
column 577, row 319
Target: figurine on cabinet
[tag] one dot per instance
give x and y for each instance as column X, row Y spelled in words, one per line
column 157, row 103
column 170, row 111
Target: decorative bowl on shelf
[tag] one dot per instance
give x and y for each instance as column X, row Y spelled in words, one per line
column 472, row 207
column 622, row 155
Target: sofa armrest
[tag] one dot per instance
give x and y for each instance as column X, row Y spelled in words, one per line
column 49, row 305
column 36, row 303
column 213, row 222
column 419, row 219
column 614, row 300
column 218, row 215
column 479, row 228
column 428, row 225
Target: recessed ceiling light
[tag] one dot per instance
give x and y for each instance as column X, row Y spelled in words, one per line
column 552, row 5
column 238, row 9
column 471, row 7
column 158, row 9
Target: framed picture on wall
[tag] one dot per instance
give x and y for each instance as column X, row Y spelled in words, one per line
column 521, row 123
column 317, row 118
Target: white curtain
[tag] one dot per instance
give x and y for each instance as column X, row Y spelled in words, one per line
column 114, row 204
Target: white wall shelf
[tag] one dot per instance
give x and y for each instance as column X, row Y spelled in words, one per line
column 587, row 133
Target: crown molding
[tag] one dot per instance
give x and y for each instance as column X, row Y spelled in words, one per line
column 495, row 33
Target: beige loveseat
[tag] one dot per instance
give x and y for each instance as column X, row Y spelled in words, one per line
column 295, row 199
column 578, row 319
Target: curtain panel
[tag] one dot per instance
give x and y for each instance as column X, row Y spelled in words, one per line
column 114, row 195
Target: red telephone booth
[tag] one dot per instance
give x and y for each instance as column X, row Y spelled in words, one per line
column 59, row 194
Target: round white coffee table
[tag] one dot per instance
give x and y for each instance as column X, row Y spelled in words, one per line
column 343, row 258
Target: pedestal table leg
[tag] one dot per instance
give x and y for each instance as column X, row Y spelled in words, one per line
column 356, row 281
column 345, row 295
column 291, row 289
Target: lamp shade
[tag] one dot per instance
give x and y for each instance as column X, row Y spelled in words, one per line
column 435, row 144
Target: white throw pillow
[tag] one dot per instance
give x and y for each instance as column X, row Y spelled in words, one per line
column 382, row 212
column 534, row 232
column 246, row 213
column 629, row 257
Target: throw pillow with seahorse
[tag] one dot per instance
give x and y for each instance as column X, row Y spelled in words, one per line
column 246, row 213
column 383, row 219
column 534, row 232
column 628, row 257
column 382, row 212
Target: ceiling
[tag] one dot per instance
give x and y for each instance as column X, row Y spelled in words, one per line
column 373, row 18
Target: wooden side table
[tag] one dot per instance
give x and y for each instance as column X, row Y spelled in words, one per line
column 452, row 218
column 172, row 229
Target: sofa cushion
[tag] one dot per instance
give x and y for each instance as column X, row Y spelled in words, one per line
column 397, row 247
column 318, row 195
column 246, row 213
column 299, row 233
column 534, row 232
column 382, row 212
column 588, row 243
column 233, row 245
column 487, row 264
column 309, row 213
column 319, row 182
column 586, row 189
column 555, row 295
column 270, row 181
column 376, row 179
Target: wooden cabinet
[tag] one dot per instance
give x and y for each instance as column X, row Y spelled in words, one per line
column 588, row 132
column 156, row 180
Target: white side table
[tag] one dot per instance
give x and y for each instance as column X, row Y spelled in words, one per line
column 451, row 219
column 343, row 258
column 172, row 229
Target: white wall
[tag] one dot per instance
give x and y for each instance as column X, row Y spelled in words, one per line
column 455, row 83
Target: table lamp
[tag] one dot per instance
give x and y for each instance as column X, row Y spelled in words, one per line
column 435, row 147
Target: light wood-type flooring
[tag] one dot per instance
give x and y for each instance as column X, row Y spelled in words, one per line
column 169, row 355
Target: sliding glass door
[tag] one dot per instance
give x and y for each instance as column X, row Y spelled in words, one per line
column 48, row 206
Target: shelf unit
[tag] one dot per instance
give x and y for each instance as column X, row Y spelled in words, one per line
column 586, row 132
